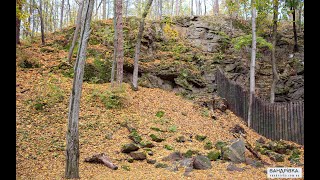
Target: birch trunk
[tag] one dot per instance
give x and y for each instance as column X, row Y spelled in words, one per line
column 138, row 45
column 61, row 15
column 72, row 150
column 253, row 60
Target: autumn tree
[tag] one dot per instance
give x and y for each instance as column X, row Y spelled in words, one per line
column 253, row 59
column 41, row 22
column 19, row 4
column 119, row 45
column 72, row 150
column 138, row 45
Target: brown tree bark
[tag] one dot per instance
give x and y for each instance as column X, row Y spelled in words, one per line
column 103, row 159
column 41, row 23
column 114, row 63
column 72, row 150
column 273, row 51
column 138, row 45
column 18, row 22
column 119, row 46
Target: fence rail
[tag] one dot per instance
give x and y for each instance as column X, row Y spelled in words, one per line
column 272, row 120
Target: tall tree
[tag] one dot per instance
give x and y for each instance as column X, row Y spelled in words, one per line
column 119, row 46
column 61, row 15
column 104, row 9
column 41, row 23
column 253, row 61
column 108, row 9
column 18, row 20
column 76, row 31
column 273, row 51
column 191, row 7
column 138, row 45
column 115, row 42
column 72, row 150
column 216, row 7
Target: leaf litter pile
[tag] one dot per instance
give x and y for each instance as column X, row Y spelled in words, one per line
column 158, row 117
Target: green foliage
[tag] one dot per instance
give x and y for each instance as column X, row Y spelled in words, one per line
column 26, row 60
column 173, row 128
column 168, row 147
column 189, row 153
column 200, row 137
column 220, row 144
column 161, row 165
column 214, row 155
column 111, row 99
column 156, row 129
column 98, row 72
column 208, row 145
column 156, row 138
column 135, row 136
column 246, row 40
column 160, row 114
column 205, row 112
column 125, row 167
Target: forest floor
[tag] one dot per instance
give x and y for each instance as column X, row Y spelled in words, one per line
column 42, row 97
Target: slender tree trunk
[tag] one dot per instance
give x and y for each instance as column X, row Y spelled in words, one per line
column 216, row 7
column 76, row 31
column 127, row 4
column 104, row 9
column 273, row 52
column 61, row 15
column 33, row 21
column 72, row 150
column 295, row 48
column 172, row 5
column 70, row 15
column 119, row 27
column 18, row 22
column 253, row 61
column 108, row 9
column 191, row 7
column 41, row 23
column 138, row 45
column 114, row 63
column 160, row 7
column 205, row 7
column 299, row 16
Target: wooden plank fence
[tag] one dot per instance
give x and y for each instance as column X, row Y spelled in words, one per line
column 272, row 120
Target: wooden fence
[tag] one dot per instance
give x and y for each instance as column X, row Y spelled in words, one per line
column 273, row 120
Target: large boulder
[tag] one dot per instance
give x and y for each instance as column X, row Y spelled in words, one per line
column 235, row 151
column 138, row 155
column 201, row 162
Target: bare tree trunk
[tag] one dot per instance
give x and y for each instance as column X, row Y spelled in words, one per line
column 18, row 22
column 104, row 9
column 191, row 7
column 138, row 45
column 119, row 27
column 216, row 7
column 295, row 48
column 61, row 15
column 72, row 150
column 172, row 5
column 114, row 63
column 205, row 7
column 127, row 4
column 273, row 52
column 253, row 61
column 33, row 20
column 41, row 22
column 160, row 8
column 108, row 9
column 76, row 31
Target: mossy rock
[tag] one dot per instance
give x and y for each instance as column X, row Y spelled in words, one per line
column 127, row 148
column 135, row 137
column 189, row 153
column 156, row 138
column 161, row 165
column 208, row 145
column 220, row 144
column 168, row 147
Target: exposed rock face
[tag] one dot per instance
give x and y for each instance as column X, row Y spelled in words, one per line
column 201, row 162
column 235, row 151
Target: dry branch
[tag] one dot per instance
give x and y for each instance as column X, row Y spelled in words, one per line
column 103, row 159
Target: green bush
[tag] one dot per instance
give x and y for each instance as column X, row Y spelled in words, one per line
column 246, row 40
column 98, row 72
column 110, row 99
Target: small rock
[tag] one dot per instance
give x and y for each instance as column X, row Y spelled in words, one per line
column 151, row 161
column 186, row 162
column 201, row 162
column 175, row 156
column 127, row 148
column 253, row 163
column 235, row 152
column 261, row 140
column 161, row 165
column 181, row 139
column 150, row 153
column 233, row 167
column 138, row 155
column 238, row 129
column 187, row 171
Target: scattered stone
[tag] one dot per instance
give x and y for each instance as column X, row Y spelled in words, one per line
column 276, row 157
column 238, row 129
column 233, row 167
column 261, row 140
column 127, row 148
column 220, row 103
column 186, row 162
column 181, row 139
column 253, row 163
column 135, row 137
column 130, row 160
column 138, row 155
column 187, row 171
column 150, row 153
column 151, row 161
column 201, row 162
column 175, row 156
